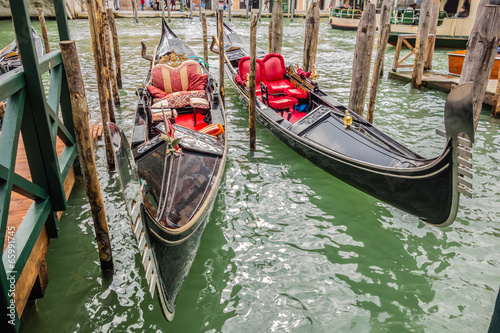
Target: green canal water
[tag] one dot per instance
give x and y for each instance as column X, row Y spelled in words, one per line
column 289, row 248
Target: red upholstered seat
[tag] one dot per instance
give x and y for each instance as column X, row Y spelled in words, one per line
column 284, row 102
column 295, row 92
column 244, row 69
column 273, row 73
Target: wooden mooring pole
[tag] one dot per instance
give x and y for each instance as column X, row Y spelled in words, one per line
column 168, row 9
column 205, row 36
column 199, row 8
column 162, row 2
column 270, row 38
column 136, row 15
column 99, row 70
column 277, row 22
column 43, row 26
column 84, row 143
column 481, row 51
column 421, row 43
column 116, row 47
column 362, row 59
column 252, row 122
column 495, row 107
column 311, row 36
column 220, row 30
column 432, row 31
column 383, row 37
column 104, row 60
column 109, row 60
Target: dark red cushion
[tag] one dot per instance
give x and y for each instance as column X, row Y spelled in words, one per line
column 284, row 102
column 273, row 67
column 295, row 93
column 156, row 92
column 278, row 86
column 197, row 81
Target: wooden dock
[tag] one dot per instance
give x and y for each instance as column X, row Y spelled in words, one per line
column 34, row 277
column 444, row 82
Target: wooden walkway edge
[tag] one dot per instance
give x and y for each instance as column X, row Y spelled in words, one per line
column 34, row 277
column 444, row 82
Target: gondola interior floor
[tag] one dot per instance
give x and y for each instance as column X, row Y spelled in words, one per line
column 296, row 116
column 186, row 120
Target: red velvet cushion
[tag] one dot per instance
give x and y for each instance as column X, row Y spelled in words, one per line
column 197, row 81
column 295, row 92
column 282, row 102
column 156, row 92
column 278, row 86
column 244, row 68
column 273, row 67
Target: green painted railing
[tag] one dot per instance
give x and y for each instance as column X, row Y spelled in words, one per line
column 40, row 116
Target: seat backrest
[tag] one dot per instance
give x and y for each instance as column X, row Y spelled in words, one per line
column 244, row 68
column 273, row 68
column 170, row 79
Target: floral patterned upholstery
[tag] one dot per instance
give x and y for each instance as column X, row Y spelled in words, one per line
column 175, row 82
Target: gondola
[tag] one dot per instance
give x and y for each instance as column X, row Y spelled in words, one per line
column 171, row 170
column 295, row 110
column 9, row 55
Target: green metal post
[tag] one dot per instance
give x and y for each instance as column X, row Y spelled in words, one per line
column 62, row 22
column 26, row 44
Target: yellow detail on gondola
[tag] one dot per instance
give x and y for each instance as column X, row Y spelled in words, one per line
column 247, row 83
column 314, row 76
column 347, row 119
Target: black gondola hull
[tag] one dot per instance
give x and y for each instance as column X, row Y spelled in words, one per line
column 364, row 157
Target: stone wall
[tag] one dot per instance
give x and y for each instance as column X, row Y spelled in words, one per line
column 72, row 7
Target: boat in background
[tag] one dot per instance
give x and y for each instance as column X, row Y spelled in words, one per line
column 456, row 62
column 9, row 55
column 171, row 171
column 452, row 31
column 293, row 108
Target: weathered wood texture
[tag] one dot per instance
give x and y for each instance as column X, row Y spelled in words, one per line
column 481, row 51
column 311, row 37
column 99, row 69
column 432, row 31
column 270, row 38
column 85, row 151
column 116, row 47
column 495, row 108
column 205, row 36
column 362, row 59
column 383, row 37
column 109, row 60
column 168, row 11
column 104, row 59
column 220, row 30
column 252, row 121
column 277, row 22
column 134, row 9
column 421, row 43
column 43, row 27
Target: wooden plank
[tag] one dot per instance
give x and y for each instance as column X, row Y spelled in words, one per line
column 444, row 82
column 30, row 272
